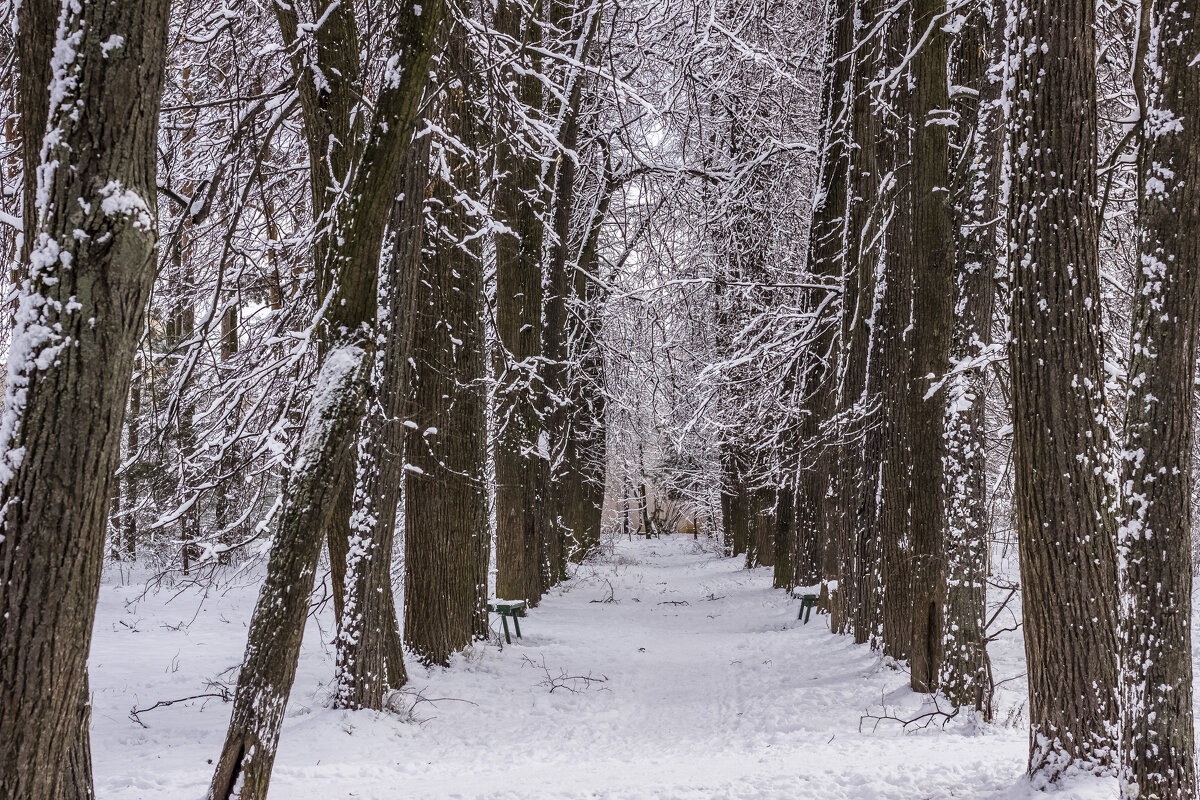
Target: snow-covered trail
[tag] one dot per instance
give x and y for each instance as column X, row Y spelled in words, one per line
column 707, row 687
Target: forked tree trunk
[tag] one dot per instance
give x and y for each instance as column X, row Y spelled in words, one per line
column 1159, row 741
column 332, row 419
column 370, row 653
column 965, row 676
column 1060, row 435
column 90, row 235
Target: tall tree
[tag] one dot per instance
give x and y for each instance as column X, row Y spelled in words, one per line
column 1064, row 501
column 1158, row 738
column 933, row 304
column 980, row 141
column 889, row 383
column 91, row 236
column 370, row 657
column 814, row 509
column 521, row 449
column 447, row 541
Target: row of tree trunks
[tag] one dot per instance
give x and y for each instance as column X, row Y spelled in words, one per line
column 895, row 249
column 89, row 252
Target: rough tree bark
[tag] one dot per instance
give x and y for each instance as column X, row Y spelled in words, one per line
column 867, row 221
column 964, row 673
column 446, row 503
column 1061, row 438
column 90, row 240
column 933, row 306
column 519, row 449
column 370, row 656
column 1158, row 738
column 815, row 547
column 858, row 300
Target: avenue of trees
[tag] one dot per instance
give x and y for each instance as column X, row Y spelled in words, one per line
column 381, row 294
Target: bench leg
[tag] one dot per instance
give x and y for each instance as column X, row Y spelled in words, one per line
column 504, row 622
column 517, row 625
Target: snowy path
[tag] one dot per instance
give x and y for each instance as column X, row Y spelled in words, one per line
column 712, row 690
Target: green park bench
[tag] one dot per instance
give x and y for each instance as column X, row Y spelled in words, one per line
column 808, row 601
column 506, row 609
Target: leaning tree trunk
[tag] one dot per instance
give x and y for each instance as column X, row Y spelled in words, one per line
column 446, row 503
column 965, row 676
column 91, row 239
column 331, row 420
column 1158, row 738
column 1060, row 435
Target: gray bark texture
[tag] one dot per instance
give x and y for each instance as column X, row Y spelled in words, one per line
column 965, row 672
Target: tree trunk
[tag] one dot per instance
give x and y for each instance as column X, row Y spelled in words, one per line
column 933, row 306
column 1158, row 737
column 133, row 476
column 858, row 297
column 815, row 513
column 370, row 653
column 520, row 443
column 965, row 676
column 762, row 528
column 1060, row 436
column 868, row 213
column 446, row 503
column 91, row 239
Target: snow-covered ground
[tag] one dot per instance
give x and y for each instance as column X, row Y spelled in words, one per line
column 660, row 671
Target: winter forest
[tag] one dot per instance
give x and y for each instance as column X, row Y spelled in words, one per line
column 622, row 399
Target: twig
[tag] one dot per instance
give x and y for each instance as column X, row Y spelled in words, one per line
column 918, row 722
column 223, row 693
column 572, row 683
